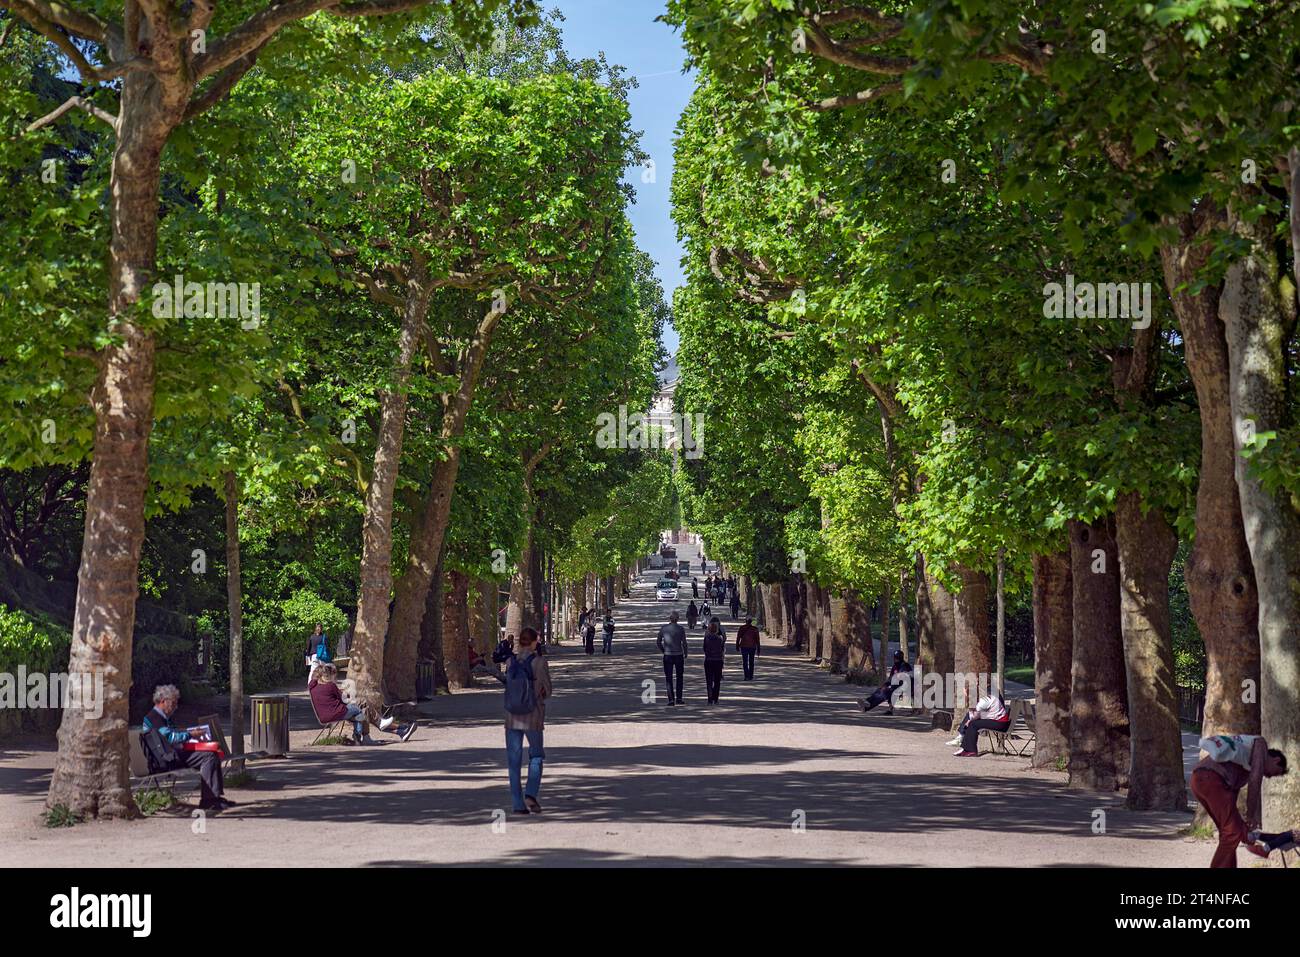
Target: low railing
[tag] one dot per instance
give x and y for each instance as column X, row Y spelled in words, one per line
column 1191, row 704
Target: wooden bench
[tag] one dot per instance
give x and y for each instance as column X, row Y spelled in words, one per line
column 1020, row 732
column 142, row 777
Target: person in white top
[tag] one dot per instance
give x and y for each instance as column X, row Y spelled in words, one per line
column 990, row 714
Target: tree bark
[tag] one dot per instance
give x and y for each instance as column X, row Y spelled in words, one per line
column 91, row 775
column 970, row 638
column 883, row 659
column 1219, row 572
column 904, row 644
column 774, row 601
column 367, row 664
column 1147, row 544
column 936, row 626
column 1000, row 629
column 1258, row 310
column 1053, row 650
column 859, row 657
column 1099, row 738
column 455, row 630
column 235, row 605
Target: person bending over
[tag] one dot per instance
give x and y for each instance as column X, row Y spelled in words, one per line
column 1233, row 762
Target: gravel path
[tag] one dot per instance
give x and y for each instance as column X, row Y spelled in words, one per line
column 785, row 770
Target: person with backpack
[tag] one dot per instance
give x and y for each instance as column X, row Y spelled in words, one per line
column 715, row 650
column 527, row 689
column 163, row 751
column 1233, row 762
column 672, row 645
column 608, row 628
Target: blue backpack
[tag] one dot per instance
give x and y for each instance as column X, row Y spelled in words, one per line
column 520, row 696
column 322, row 652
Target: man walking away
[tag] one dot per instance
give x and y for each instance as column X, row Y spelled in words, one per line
column 609, row 633
column 528, row 688
column 1234, row 761
column 672, row 644
column 748, row 644
column 715, row 649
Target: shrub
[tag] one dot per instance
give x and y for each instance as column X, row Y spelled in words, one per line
column 160, row 660
column 31, row 640
column 275, row 635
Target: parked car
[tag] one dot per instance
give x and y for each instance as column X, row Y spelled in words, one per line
column 684, row 567
column 666, row 590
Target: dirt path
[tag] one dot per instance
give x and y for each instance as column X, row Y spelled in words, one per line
column 785, row 770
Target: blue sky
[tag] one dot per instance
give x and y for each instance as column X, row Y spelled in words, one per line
column 627, row 33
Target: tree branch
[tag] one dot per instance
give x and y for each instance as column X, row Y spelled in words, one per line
column 76, row 102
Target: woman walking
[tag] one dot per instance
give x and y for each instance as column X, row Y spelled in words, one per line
column 692, row 615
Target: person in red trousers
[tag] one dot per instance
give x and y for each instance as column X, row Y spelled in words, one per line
column 1233, row 762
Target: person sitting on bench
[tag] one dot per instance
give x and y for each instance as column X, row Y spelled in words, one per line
column 330, row 706
column 163, row 752
column 990, row 714
column 899, row 674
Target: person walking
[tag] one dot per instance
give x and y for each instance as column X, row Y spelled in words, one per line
column 748, row 644
column 672, row 645
column 528, row 688
column 692, row 616
column 1233, row 762
column 589, row 635
column 735, row 602
column 608, row 628
column 695, row 587
column 715, row 650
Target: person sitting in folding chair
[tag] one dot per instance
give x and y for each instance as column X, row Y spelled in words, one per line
column 328, row 701
column 990, row 714
column 899, row 675
column 163, row 750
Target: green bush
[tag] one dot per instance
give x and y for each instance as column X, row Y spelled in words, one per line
column 33, row 641
column 275, row 635
column 160, row 660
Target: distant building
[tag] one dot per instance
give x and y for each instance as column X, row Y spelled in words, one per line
column 660, row 415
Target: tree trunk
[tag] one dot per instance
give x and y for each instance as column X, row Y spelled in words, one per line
column 814, row 598
column 1000, row 630
column 1147, row 544
column 1258, row 310
column 774, row 601
column 1099, row 745
column 412, row 591
column 970, row 639
column 883, row 659
column 522, row 610
column 91, row 775
column 859, row 657
column 1219, row 572
column 936, row 627
column 903, row 637
column 235, row 605
column 799, row 612
column 455, row 630
column 1053, row 650
column 367, row 664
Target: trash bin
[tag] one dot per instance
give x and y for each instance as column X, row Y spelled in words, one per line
column 424, row 679
column 269, row 723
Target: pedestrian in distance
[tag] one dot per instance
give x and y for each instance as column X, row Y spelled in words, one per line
column 695, row 588
column 748, row 644
column 735, row 604
column 715, row 650
column 527, row 689
column 589, row 635
column 672, row 645
column 692, row 616
column 608, row 628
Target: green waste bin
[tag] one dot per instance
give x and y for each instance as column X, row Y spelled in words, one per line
column 269, row 723
column 424, row 679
